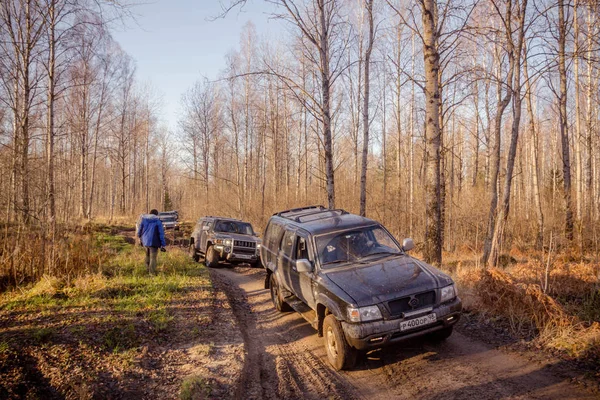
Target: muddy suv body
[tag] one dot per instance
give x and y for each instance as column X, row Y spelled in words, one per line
column 354, row 282
column 224, row 239
column 169, row 219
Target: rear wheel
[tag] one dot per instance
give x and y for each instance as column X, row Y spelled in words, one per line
column 339, row 353
column 212, row 258
column 276, row 297
column 441, row 335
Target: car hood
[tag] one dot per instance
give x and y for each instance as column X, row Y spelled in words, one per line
column 389, row 279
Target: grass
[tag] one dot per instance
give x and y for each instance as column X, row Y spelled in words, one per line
column 102, row 320
column 195, row 388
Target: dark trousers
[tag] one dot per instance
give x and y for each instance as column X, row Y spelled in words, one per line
column 151, row 256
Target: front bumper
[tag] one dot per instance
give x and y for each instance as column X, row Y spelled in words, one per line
column 228, row 254
column 376, row 334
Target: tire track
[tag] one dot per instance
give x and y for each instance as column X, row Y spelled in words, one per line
column 286, row 360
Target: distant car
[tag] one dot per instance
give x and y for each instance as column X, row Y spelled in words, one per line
column 225, row 239
column 353, row 282
column 170, row 219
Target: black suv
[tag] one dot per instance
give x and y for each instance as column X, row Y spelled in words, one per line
column 353, row 282
column 224, row 239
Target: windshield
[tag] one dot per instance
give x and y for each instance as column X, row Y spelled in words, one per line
column 354, row 245
column 234, row 227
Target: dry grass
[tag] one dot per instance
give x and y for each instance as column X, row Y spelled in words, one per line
column 552, row 318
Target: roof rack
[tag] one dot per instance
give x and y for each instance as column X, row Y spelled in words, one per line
column 215, row 216
column 296, row 214
column 295, row 210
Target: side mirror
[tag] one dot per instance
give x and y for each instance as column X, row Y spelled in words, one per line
column 408, row 244
column 303, row 265
column 205, row 228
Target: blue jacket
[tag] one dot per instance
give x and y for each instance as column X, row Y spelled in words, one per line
column 151, row 231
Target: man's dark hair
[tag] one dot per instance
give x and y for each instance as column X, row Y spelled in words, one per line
column 154, row 211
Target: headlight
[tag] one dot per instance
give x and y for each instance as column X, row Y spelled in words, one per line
column 257, row 246
column 448, row 293
column 364, row 314
column 227, row 242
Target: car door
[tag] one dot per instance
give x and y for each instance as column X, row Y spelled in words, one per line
column 284, row 259
column 305, row 279
column 196, row 233
column 293, row 245
column 204, row 235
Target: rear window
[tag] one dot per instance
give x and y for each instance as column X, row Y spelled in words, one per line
column 273, row 235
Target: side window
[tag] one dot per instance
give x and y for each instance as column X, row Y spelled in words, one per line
column 302, row 249
column 287, row 243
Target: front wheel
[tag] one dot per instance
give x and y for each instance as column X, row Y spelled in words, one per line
column 339, row 353
column 212, row 258
column 276, row 297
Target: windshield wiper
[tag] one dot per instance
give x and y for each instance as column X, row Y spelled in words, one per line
column 380, row 253
column 336, row 262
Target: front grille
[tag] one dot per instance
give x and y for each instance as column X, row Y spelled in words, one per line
column 243, row 250
column 243, row 243
column 399, row 306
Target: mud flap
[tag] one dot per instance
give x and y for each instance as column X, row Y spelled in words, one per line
column 267, row 286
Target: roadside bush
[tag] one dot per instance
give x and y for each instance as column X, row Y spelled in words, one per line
column 29, row 254
column 530, row 312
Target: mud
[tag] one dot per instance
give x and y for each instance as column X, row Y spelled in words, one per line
column 285, row 359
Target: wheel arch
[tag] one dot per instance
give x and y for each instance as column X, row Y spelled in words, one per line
column 326, row 306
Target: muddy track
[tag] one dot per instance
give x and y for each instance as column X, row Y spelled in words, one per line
column 286, row 360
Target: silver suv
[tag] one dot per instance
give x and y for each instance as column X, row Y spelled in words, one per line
column 224, row 239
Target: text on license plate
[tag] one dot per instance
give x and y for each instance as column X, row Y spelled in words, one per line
column 418, row 322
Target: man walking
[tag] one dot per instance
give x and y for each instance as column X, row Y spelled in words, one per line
column 152, row 237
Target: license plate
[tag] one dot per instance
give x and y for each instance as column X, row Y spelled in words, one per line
column 244, row 256
column 418, row 322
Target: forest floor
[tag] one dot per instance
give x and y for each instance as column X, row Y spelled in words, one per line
column 194, row 333
column 121, row 334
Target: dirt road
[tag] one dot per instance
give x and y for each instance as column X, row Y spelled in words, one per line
column 286, row 360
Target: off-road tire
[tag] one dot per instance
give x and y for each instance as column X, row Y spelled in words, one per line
column 212, row 258
column 278, row 301
column 339, row 353
column 194, row 253
column 441, row 335
column 255, row 264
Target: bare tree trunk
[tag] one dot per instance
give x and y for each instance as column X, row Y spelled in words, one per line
column 433, row 196
column 326, row 106
column 515, row 87
column 578, row 150
column 384, row 154
column 564, row 132
column 539, row 240
column 495, row 161
column 411, row 145
column 476, row 146
column 50, row 114
column 365, row 149
column 592, row 30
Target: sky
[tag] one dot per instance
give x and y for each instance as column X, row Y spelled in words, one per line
column 175, row 43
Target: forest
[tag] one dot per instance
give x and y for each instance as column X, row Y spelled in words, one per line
column 470, row 126
column 473, row 128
